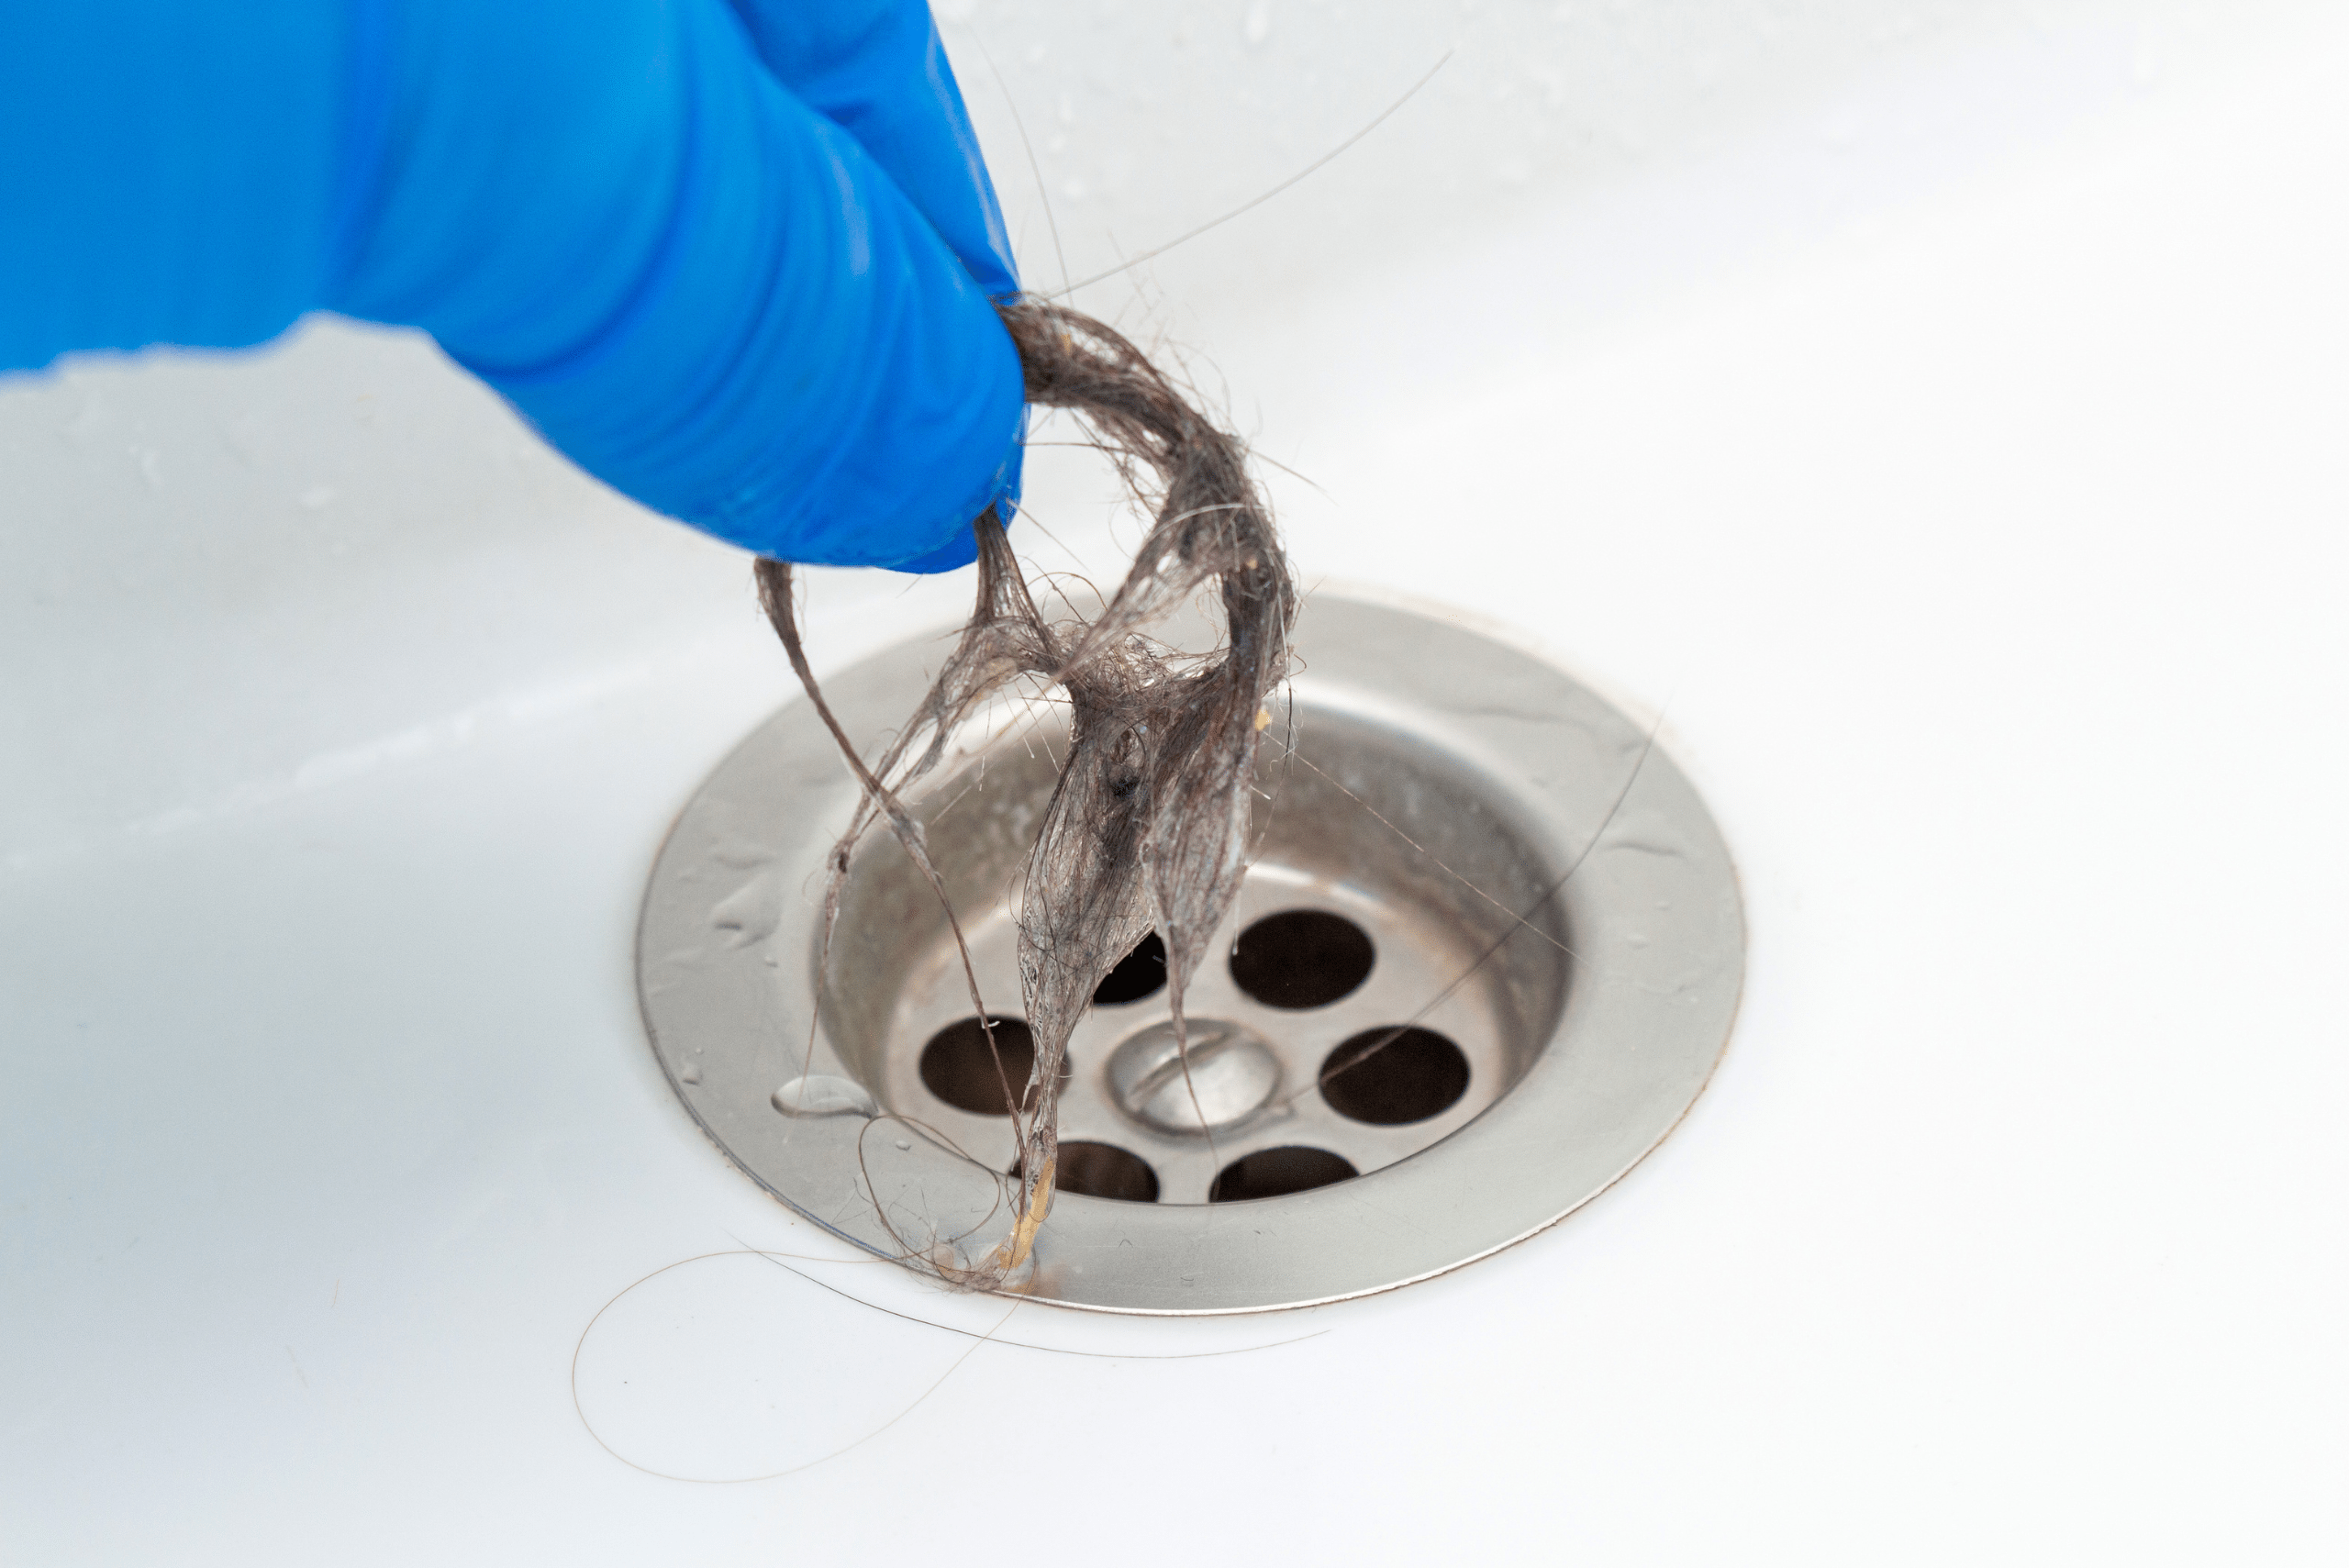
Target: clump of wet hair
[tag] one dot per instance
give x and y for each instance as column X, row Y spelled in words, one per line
column 1148, row 826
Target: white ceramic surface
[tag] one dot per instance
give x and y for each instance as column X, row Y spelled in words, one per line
column 1935, row 411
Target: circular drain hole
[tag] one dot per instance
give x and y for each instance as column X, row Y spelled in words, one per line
column 1302, row 958
column 1142, row 973
column 1392, row 1077
column 957, row 1066
column 1104, row 1170
column 1276, row 1173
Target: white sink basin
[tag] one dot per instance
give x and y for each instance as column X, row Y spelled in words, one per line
column 1940, row 426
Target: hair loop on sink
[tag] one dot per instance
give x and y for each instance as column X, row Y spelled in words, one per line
column 1147, row 827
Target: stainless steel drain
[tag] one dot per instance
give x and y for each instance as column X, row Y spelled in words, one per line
column 1448, row 1017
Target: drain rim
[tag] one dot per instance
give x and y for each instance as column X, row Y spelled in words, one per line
column 1619, row 1071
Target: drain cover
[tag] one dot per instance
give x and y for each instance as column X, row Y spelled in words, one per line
column 1487, row 953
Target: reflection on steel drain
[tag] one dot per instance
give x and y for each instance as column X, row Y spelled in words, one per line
column 1488, row 951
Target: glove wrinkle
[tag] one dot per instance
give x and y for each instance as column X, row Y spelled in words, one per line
column 364, row 143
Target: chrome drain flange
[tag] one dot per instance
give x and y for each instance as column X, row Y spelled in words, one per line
column 1487, row 954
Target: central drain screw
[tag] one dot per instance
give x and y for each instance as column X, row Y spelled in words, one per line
column 1233, row 1072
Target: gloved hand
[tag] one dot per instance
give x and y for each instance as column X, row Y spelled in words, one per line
column 734, row 257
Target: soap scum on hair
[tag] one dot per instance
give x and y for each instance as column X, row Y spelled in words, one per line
column 1148, row 825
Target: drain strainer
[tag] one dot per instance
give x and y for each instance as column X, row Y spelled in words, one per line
column 1487, row 953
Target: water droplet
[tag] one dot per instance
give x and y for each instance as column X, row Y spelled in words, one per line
column 748, row 916
column 689, row 1073
column 903, row 1142
column 821, row 1094
column 743, row 854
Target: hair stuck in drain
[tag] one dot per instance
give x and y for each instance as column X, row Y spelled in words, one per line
column 1147, row 827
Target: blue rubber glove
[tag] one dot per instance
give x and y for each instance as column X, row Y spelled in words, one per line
column 735, row 260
